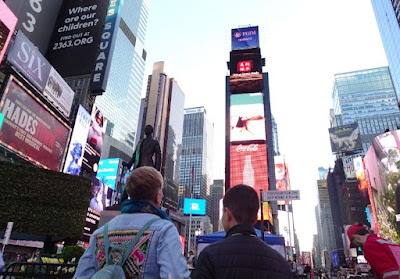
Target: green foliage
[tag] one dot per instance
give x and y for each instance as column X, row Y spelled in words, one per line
column 41, row 201
column 70, row 252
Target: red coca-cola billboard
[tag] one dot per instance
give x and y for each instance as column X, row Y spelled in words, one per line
column 248, row 165
column 30, row 129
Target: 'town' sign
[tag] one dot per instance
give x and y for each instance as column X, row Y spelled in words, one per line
column 281, row 195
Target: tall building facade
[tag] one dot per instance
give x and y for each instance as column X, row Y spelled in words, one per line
column 217, row 193
column 368, row 98
column 387, row 15
column 196, row 161
column 164, row 109
column 120, row 103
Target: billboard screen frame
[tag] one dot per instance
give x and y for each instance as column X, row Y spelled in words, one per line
column 9, row 20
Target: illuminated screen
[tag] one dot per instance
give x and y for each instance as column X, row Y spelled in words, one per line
column 251, row 59
column 248, row 165
column 198, row 206
column 245, row 66
column 246, row 37
column 281, row 176
column 246, row 83
column 247, row 117
column 108, row 171
column 8, row 21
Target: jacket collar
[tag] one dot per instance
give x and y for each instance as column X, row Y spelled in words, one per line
column 241, row 229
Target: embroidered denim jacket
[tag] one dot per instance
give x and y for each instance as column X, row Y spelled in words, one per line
column 158, row 254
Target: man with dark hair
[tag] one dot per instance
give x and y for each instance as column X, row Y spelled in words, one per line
column 381, row 254
column 145, row 150
column 241, row 254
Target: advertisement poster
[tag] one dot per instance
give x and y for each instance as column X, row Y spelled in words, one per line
column 37, row 70
column 73, row 162
column 30, row 129
column 8, row 21
column 244, row 38
column 198, row 206
column 108, row 172
column 348, row 165
column 247, row 117
column 76, row 36
column 248, row 165
column 36, row 18
column 281, row 176
column 94, row 142
column 345, row 138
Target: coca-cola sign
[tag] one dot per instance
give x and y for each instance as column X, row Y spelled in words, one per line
column 247, row 148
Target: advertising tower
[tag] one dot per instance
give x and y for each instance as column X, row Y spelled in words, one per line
column 249, row 144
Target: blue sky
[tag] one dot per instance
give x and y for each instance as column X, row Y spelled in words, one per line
column 304, row 43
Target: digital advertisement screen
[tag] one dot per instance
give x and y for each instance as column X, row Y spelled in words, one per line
column 108, row 172
column 246, row 83
column 245, row 61
column 8, row 21
column 248, row 165
column 25, row 57
column 247, row 117
column 94, row 141
column 267, row 213
column 243, row 38
column 281, row 176
column 30, row 129
column 77, row 144
column 198, row 206
column 76, row 36
column 345, row 138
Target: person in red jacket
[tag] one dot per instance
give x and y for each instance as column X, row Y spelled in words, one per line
column 381, row 254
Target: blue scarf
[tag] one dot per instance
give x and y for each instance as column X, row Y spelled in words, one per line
column 132, row 206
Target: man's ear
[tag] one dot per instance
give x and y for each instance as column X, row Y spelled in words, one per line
column 229, row 214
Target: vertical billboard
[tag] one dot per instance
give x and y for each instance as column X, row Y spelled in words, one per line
column 108, row 172
column 36, row 18
column 348, row 165
column 94, row 142
column 105, row 51
column 37, row 70
column 76, row 36
column 345, row 138
column 31, row 129
column 8, row 21
column 247, row 117
column 248, row 165
column 77, row 144
column 281, row 176
column 245, row 38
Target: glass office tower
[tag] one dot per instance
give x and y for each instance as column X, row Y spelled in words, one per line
column 120, row 103
column 387, row 14
column 368, row 98
column 196, row 159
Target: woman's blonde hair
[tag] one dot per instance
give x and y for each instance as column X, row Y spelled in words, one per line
column 144, row 183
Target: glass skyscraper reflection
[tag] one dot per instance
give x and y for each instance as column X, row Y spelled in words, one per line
column 120, row 103
column 387, row 14
column 368, row 98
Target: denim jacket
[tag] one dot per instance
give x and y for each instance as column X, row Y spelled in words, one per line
column 158, row 254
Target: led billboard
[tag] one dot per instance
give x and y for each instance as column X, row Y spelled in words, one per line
column 198, row 206
column 108, row 172
column 8, row 21
column 30, row 129
column 76, row 36
column 94, row 141
column 247, row 117
column 37, row 70
column 245, row 61
column 77, row 144
column 246, row 83
column 248, row 165
column 244, row 38
column 281, row 176
column 345, row 138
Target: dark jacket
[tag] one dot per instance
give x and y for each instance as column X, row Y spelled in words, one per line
column 148, row 148
column 241, row 255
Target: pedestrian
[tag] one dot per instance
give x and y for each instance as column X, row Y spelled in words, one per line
column 381, row 254
column 144, row 152
column 307, row 271
column 158, row 253
column 241, row 254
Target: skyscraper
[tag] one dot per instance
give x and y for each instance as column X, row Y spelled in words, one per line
column 164, row 109
column 387, row 15
column 368, row 98
column 120, row 103
column 217, row 193
column 196, row 161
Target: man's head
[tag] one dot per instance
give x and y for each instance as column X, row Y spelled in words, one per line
column 357, row 234
column 145, row 183
column 240, row 206
column 148, row 130
column 190, row 253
